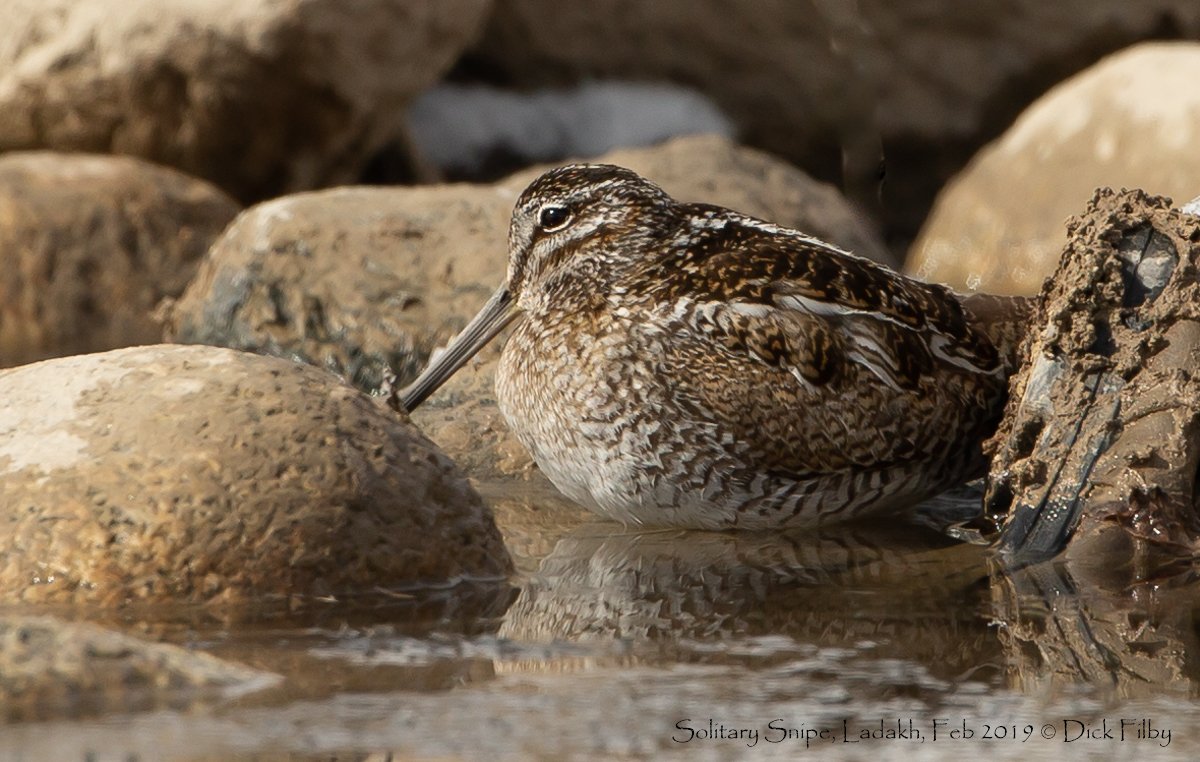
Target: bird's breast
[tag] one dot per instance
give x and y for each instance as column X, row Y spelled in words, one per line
column 585, row 399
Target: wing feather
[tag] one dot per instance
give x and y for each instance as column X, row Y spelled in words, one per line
column 887, row 370
column 792, row 301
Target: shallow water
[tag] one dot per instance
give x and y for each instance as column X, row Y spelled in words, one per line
column 610, row 643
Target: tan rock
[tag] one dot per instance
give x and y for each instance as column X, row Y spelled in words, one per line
column 352, row 279
column 825, row 83
column 205, row 475
column 50, row 667
column 90, row 244
column 357, row 279
column 1130, row 121
column 259, row 96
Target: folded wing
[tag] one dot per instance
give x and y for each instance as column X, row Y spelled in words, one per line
column 890, row 368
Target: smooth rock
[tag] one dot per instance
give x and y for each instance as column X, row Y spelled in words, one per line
column 89, row 245
column 205, row 475
column 352, row 279
column 259, row 96
column 1130, row 121
column 826, row 83
column 358, row 279
column 50, row 667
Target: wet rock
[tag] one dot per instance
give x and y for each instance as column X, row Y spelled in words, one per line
column 1098, row 449
column 826, row 83
column 90, row 244
column 204, row 475
column 322, row 85
column 50, row 667
column 1128, row 121
column 361, row 279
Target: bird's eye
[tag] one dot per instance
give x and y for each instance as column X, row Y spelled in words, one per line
column 553, row 217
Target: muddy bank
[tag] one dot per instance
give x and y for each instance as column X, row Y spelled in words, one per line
column 1099, row 445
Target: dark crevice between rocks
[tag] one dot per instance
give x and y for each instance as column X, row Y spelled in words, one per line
column 1096, row 458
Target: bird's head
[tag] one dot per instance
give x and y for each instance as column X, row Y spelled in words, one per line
column 573, row 229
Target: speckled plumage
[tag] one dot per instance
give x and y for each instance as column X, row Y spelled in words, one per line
column 683, row 364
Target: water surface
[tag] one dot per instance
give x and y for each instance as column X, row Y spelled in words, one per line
column 853, row 643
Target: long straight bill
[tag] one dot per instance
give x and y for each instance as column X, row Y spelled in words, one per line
column 491, row 320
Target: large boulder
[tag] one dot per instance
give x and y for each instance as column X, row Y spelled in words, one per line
column 1129, row 121
column 353, row 279
column 362, row 279
column 826, row 83
column 205, row 475
column 89, row 245
column 259, row 96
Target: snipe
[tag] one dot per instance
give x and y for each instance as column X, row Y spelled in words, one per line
column 683, row 364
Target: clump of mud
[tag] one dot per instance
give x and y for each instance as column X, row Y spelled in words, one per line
column 1098, row 449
